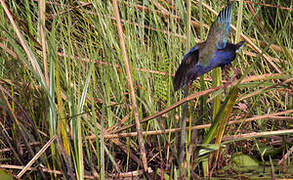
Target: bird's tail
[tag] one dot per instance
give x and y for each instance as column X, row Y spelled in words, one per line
column 239, row 45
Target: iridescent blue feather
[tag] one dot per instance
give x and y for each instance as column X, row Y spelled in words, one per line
column 220, row 29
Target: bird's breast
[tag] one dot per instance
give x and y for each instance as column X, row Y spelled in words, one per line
column 221, row 58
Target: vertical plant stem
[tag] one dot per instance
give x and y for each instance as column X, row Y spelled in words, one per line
column 203, row 99
column 239, row 21
column 188, row 27
column 42, row 5
column 217, row 81
column 52, row 116
column 79, row 128
column 183, row 128
column 130, row 83
column 201, row 21
column 62, row 126
column 102, row 148
column 224, row 120
column 185, row 107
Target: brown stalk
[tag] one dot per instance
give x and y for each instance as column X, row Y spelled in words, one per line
column 259, row 22
column 266, row 88
column 123, row 120
column 127, row 175
column 257, row 134
column 9, row 51
column 132, row 93
column 160, row 7
column 286, row 156
column 274, row 116
column 36, row 157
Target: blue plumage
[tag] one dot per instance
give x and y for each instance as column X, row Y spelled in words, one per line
column 216, row 51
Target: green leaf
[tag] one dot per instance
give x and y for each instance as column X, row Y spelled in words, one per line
column 243, row 162
column 208, row 148
column 5, row 176
column 222, row 115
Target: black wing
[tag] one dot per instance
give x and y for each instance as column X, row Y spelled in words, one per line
column 188, row 63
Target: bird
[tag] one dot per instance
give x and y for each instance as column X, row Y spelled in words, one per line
column 216, row 51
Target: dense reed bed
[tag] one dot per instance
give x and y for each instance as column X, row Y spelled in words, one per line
column 86, row 91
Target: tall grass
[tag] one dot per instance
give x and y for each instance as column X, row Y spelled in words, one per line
column 84, row 98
